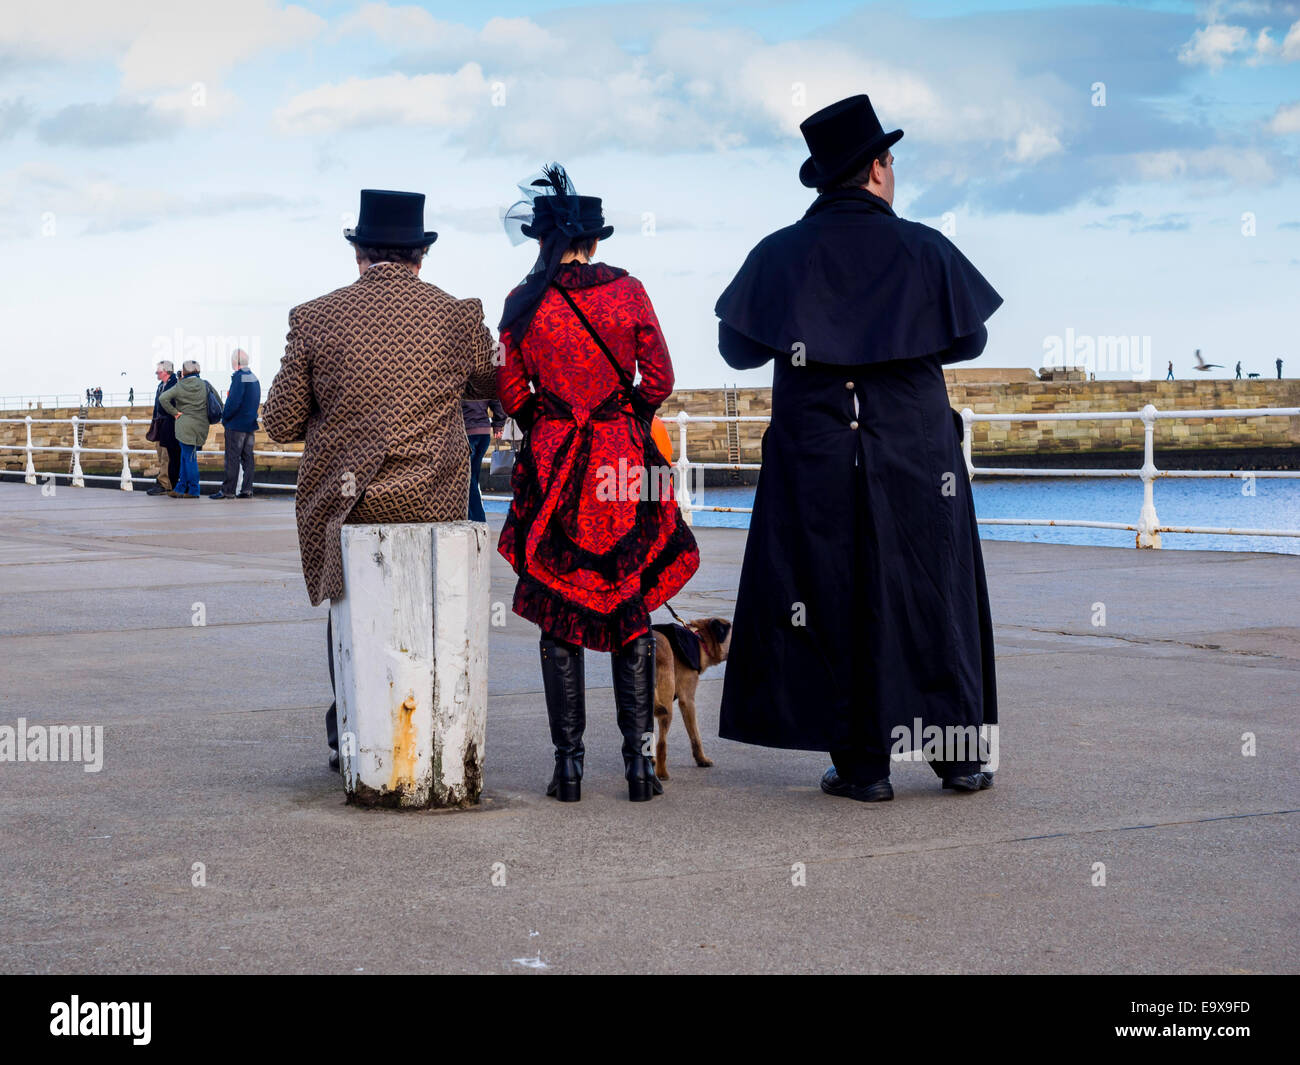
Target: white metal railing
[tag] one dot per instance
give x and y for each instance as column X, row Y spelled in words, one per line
column 126, row 479
column 28, row 404
column 50, row 400
column 1147, row 527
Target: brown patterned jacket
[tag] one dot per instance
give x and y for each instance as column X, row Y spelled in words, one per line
column 372, row 379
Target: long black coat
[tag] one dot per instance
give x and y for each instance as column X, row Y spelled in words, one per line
column 862, row 602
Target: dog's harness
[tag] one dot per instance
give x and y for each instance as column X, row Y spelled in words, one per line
column 685, row 642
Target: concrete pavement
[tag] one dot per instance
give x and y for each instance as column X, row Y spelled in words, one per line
column 1120, row 745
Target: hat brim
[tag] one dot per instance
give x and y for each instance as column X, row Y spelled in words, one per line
column 350, row 235
column 812, row 176
column 595, row 234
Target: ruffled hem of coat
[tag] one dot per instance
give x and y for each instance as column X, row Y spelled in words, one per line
column 557, row 616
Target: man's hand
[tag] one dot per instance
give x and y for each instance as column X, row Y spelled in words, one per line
column 176, row 415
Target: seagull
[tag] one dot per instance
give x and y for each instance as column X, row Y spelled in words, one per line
column 1201, row 364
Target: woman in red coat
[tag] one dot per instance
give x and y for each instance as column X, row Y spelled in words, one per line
column 594, row 532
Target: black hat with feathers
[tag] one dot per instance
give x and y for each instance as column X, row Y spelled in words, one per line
column 555, row 215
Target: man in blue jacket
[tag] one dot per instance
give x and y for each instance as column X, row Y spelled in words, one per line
column 240, row 423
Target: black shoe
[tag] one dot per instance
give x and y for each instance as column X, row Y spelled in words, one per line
column 156, row 490
column 969, row 782
column 334, row 760
column 244, row 495
column 566, row 707
column 877, row 791
column 634, row 693
column 220, row 495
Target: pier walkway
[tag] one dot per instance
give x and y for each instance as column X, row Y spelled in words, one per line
column 1121, row 744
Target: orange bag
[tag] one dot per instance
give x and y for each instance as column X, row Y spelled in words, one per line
column 659, row 433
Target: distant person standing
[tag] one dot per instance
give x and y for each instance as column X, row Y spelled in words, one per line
column 99, row 397
column 1170, row 375
column 90, row 397
column 1279, row 368
column 240, row 422
column 1238, row 369
column 484, row 419
column 130, row 398
column 163, row 432
column 188, row 404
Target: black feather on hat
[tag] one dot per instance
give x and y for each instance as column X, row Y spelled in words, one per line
column 555, row 215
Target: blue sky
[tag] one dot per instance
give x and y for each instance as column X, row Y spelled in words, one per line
column 182, row 171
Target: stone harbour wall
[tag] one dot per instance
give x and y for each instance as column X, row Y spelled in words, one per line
column 1275, row 436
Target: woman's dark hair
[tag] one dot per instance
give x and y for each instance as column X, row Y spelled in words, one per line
column 585, row 246
column 856, row 181
column 413, row 256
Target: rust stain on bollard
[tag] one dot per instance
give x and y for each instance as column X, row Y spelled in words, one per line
column 403, row 772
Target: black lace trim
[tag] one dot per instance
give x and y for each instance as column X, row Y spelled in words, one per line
column 573, row 623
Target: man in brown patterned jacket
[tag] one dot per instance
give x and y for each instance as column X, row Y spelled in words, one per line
column 372, row 379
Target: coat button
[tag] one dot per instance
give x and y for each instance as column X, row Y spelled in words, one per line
column 853, row 425
column 848, row 385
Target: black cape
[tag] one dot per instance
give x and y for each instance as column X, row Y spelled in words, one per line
column 862, row 603
column 856, row 284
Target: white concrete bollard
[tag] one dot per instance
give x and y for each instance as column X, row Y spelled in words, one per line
column 410, row 662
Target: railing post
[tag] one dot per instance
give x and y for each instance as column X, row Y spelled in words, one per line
column 684, row 503
column 127, row 484
column 967, row 418
column 30, row 475
column 78, row 478
column 1147, row 520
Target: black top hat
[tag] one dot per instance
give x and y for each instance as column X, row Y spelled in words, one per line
column 390, row 220
column 842, row 138
column 574, row 216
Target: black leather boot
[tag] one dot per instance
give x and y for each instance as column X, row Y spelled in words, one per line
column 634, row 688
column 566, row 706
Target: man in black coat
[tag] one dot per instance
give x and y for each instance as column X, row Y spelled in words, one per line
column 169, row 449
column 862, row 622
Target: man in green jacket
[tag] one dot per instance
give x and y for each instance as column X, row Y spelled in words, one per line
column 187, row 402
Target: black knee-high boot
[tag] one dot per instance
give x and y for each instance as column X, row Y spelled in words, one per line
column 566, row 706
column 634, row 686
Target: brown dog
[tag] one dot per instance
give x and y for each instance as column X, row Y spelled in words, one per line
column 703, row 642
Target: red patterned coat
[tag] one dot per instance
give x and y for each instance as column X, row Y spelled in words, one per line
column 594, row 532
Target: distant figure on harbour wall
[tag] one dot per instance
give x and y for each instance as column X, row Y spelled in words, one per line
column 1279, row 369
column 1170, row 375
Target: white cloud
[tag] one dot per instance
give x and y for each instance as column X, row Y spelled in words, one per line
column 1287, row 119
column 690, row 89
column 1211, row 45
column 1034, row 145
column 156, row 43
column 404, row 27
column 447, row 101
column 1291, row 44
column 90, row 202
column 1228, row 166
column 415, row 30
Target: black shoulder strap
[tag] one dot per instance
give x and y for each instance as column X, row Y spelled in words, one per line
column 623, row 375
